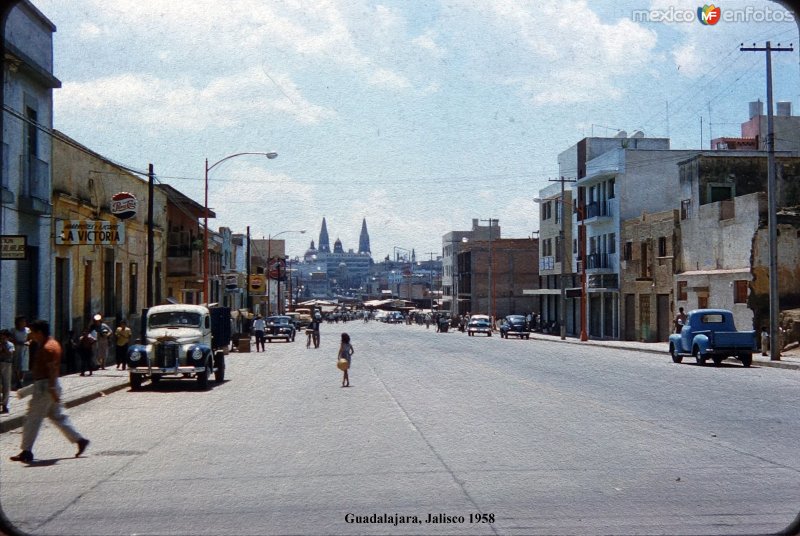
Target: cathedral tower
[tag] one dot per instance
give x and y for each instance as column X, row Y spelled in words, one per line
column 324, row 244
column 363, row 240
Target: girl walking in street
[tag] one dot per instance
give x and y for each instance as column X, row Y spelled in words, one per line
column 344, row 358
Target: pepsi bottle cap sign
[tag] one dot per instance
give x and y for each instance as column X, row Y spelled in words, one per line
column 124, row 205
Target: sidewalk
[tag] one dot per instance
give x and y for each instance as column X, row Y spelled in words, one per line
column 78, row 389
column 75, row 389
column 790, row 359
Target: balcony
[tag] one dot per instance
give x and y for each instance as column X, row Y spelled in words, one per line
column 597, row 260
column 598, row 210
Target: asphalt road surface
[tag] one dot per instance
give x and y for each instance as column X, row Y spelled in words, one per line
column 438, row 434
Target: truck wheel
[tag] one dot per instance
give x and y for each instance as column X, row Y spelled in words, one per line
column 676, row 357
column 717, row 360
column 746, row 359
column 136, row 382
column 202, row 378
column 698, row 356
column 219, row 373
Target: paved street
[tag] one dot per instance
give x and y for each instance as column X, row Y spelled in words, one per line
column 540, row 436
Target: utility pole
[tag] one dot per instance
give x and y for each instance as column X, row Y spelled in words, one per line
column 247, row 303
column 150, row 239
column 563, row 246
column 430, row 273
column 772, row 210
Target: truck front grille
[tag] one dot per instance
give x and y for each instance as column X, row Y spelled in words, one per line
column 167, row 355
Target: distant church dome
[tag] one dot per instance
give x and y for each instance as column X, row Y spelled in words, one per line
column 337, row 246
column 311, row 252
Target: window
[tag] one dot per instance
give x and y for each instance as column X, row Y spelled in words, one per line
column 686, row 209
column 611, row 185
column 662, row 246
column 612, row 243
column 682, row 296
column 558, row 249
column 740, row 291
column 712, row 319
column 546, row 210
column 627, row 253
column 645, row 268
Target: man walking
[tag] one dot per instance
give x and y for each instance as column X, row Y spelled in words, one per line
column 46, row 398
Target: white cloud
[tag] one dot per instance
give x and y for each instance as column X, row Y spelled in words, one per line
column 388, row 79
column 174, row 104
column 427, row 43
column 87, row 31
column 589, row 64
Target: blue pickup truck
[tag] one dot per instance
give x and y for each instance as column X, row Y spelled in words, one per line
column 711, row 333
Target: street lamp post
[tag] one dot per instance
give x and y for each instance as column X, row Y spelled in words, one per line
column 582, row 247
column 206, row 255
column 269, row 260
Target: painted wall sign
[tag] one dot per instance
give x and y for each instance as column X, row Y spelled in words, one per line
column 12, row 247
column 89, row 232
column 124, row 205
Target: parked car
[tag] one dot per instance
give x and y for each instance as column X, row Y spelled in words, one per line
column 479, row 324
column 515, row 326
column 711, row 333
column 280, row 327
column 295, row 316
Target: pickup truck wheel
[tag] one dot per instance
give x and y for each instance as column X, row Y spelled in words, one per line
column 676, row 357
column 746, row 359
column 202, row 378
column 718, row 360
column 219, row 373
column 136, row 382
column 698, row 356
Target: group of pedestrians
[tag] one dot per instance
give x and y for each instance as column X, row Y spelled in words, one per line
column 15, row 348
column 94, row 345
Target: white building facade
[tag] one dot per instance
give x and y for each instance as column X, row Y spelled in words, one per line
column 25, row 213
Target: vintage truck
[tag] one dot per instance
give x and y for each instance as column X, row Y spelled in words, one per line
column 711, row 333
column 181, row 341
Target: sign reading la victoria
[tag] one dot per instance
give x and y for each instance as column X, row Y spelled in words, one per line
column 89, row 232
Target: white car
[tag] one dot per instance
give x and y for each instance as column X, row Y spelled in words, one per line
column 479, row 324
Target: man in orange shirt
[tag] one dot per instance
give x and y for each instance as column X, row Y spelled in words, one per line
column 46, row 398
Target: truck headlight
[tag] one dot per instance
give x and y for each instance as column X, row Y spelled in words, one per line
column 197, row 354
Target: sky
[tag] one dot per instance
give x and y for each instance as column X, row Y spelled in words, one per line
column 418, row 116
